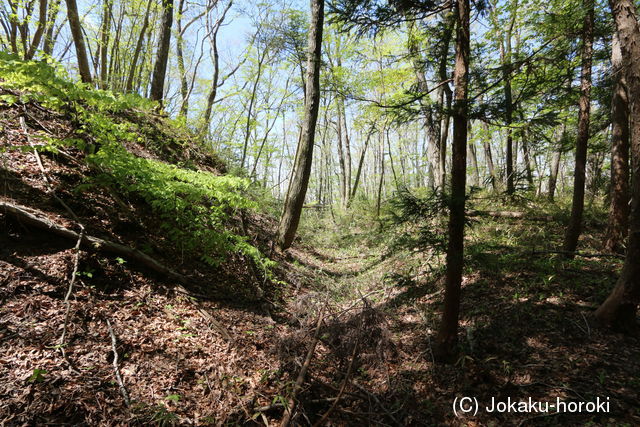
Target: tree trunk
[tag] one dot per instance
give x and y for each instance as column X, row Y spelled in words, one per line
column 444, row 96
column 341, row 161
column 381, row 179
column 572, row 233
column 446, row 340
column 78, row 39
column 42, row 23
column 347, row 144
column 505, row 59
column 162, row 56
column 619, row 310
column 184, row 85
column 360, row 164
column 619, row 207
column 136, row 53
column 252, row 100
column 474, row 159
column 489, row 157
column 526, row 158
column 555, row 167
column 302, row 168
column 54, row 8
column 105, row 31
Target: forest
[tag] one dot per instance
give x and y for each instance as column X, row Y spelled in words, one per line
column 340, row 212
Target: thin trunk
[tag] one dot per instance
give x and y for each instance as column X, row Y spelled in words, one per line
column 553, row 176
column 446, row 340
column 162, row 56
column 213, row 91
column 505, row 59
column 47, row 47
column 252, row 100
column 526, row 158
column 78, row 39
column 381, row 179
column 302, row 168
column 619, row 310
column 489, row 157
column 13, row 24
column 137, row 51
column 572, row 233
column 433, row 134
column 360, row 164
column 341, row 162
column 347, row 144
column 184, row 85
column 474, row 159
column 42, row 23
column 618, row 224
column 105, row 31
column 444, row 96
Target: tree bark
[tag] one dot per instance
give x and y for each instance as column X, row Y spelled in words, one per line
column 78, row 40
column 162, row 56
column 619, row 309
column 302, row 167
column 446, row 340
column 572, row 233
column 555, row 168
column 489, row 157
column 619, row 207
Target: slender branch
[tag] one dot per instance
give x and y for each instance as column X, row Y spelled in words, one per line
column 286, row 420
column 116, row 368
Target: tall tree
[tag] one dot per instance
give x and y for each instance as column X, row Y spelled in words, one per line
column 619, row 309
column 619, row 207
column 447, row 337
column 302, row 167
column 162, row 56
column 572, row 234
column 78, row 40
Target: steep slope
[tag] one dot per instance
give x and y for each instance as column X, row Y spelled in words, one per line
column 187, row 324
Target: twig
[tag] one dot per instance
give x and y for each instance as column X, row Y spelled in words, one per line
column 123, row 389
column 526, row 420
column 67, row 303
column 586, row 323
column 286, row 419
column 342, row 388
column 23, row 124
column 368, row 393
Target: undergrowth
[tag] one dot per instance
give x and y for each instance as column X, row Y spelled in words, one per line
column 195, row 206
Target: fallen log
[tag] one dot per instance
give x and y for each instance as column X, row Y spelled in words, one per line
column 510, row 214
column 39, row 220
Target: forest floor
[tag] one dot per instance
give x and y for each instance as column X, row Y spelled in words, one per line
column 526, row 327
column 527, row 330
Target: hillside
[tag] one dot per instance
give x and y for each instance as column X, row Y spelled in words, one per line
column 181, row 277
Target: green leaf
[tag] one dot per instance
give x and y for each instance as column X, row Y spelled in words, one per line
column 37, row 376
